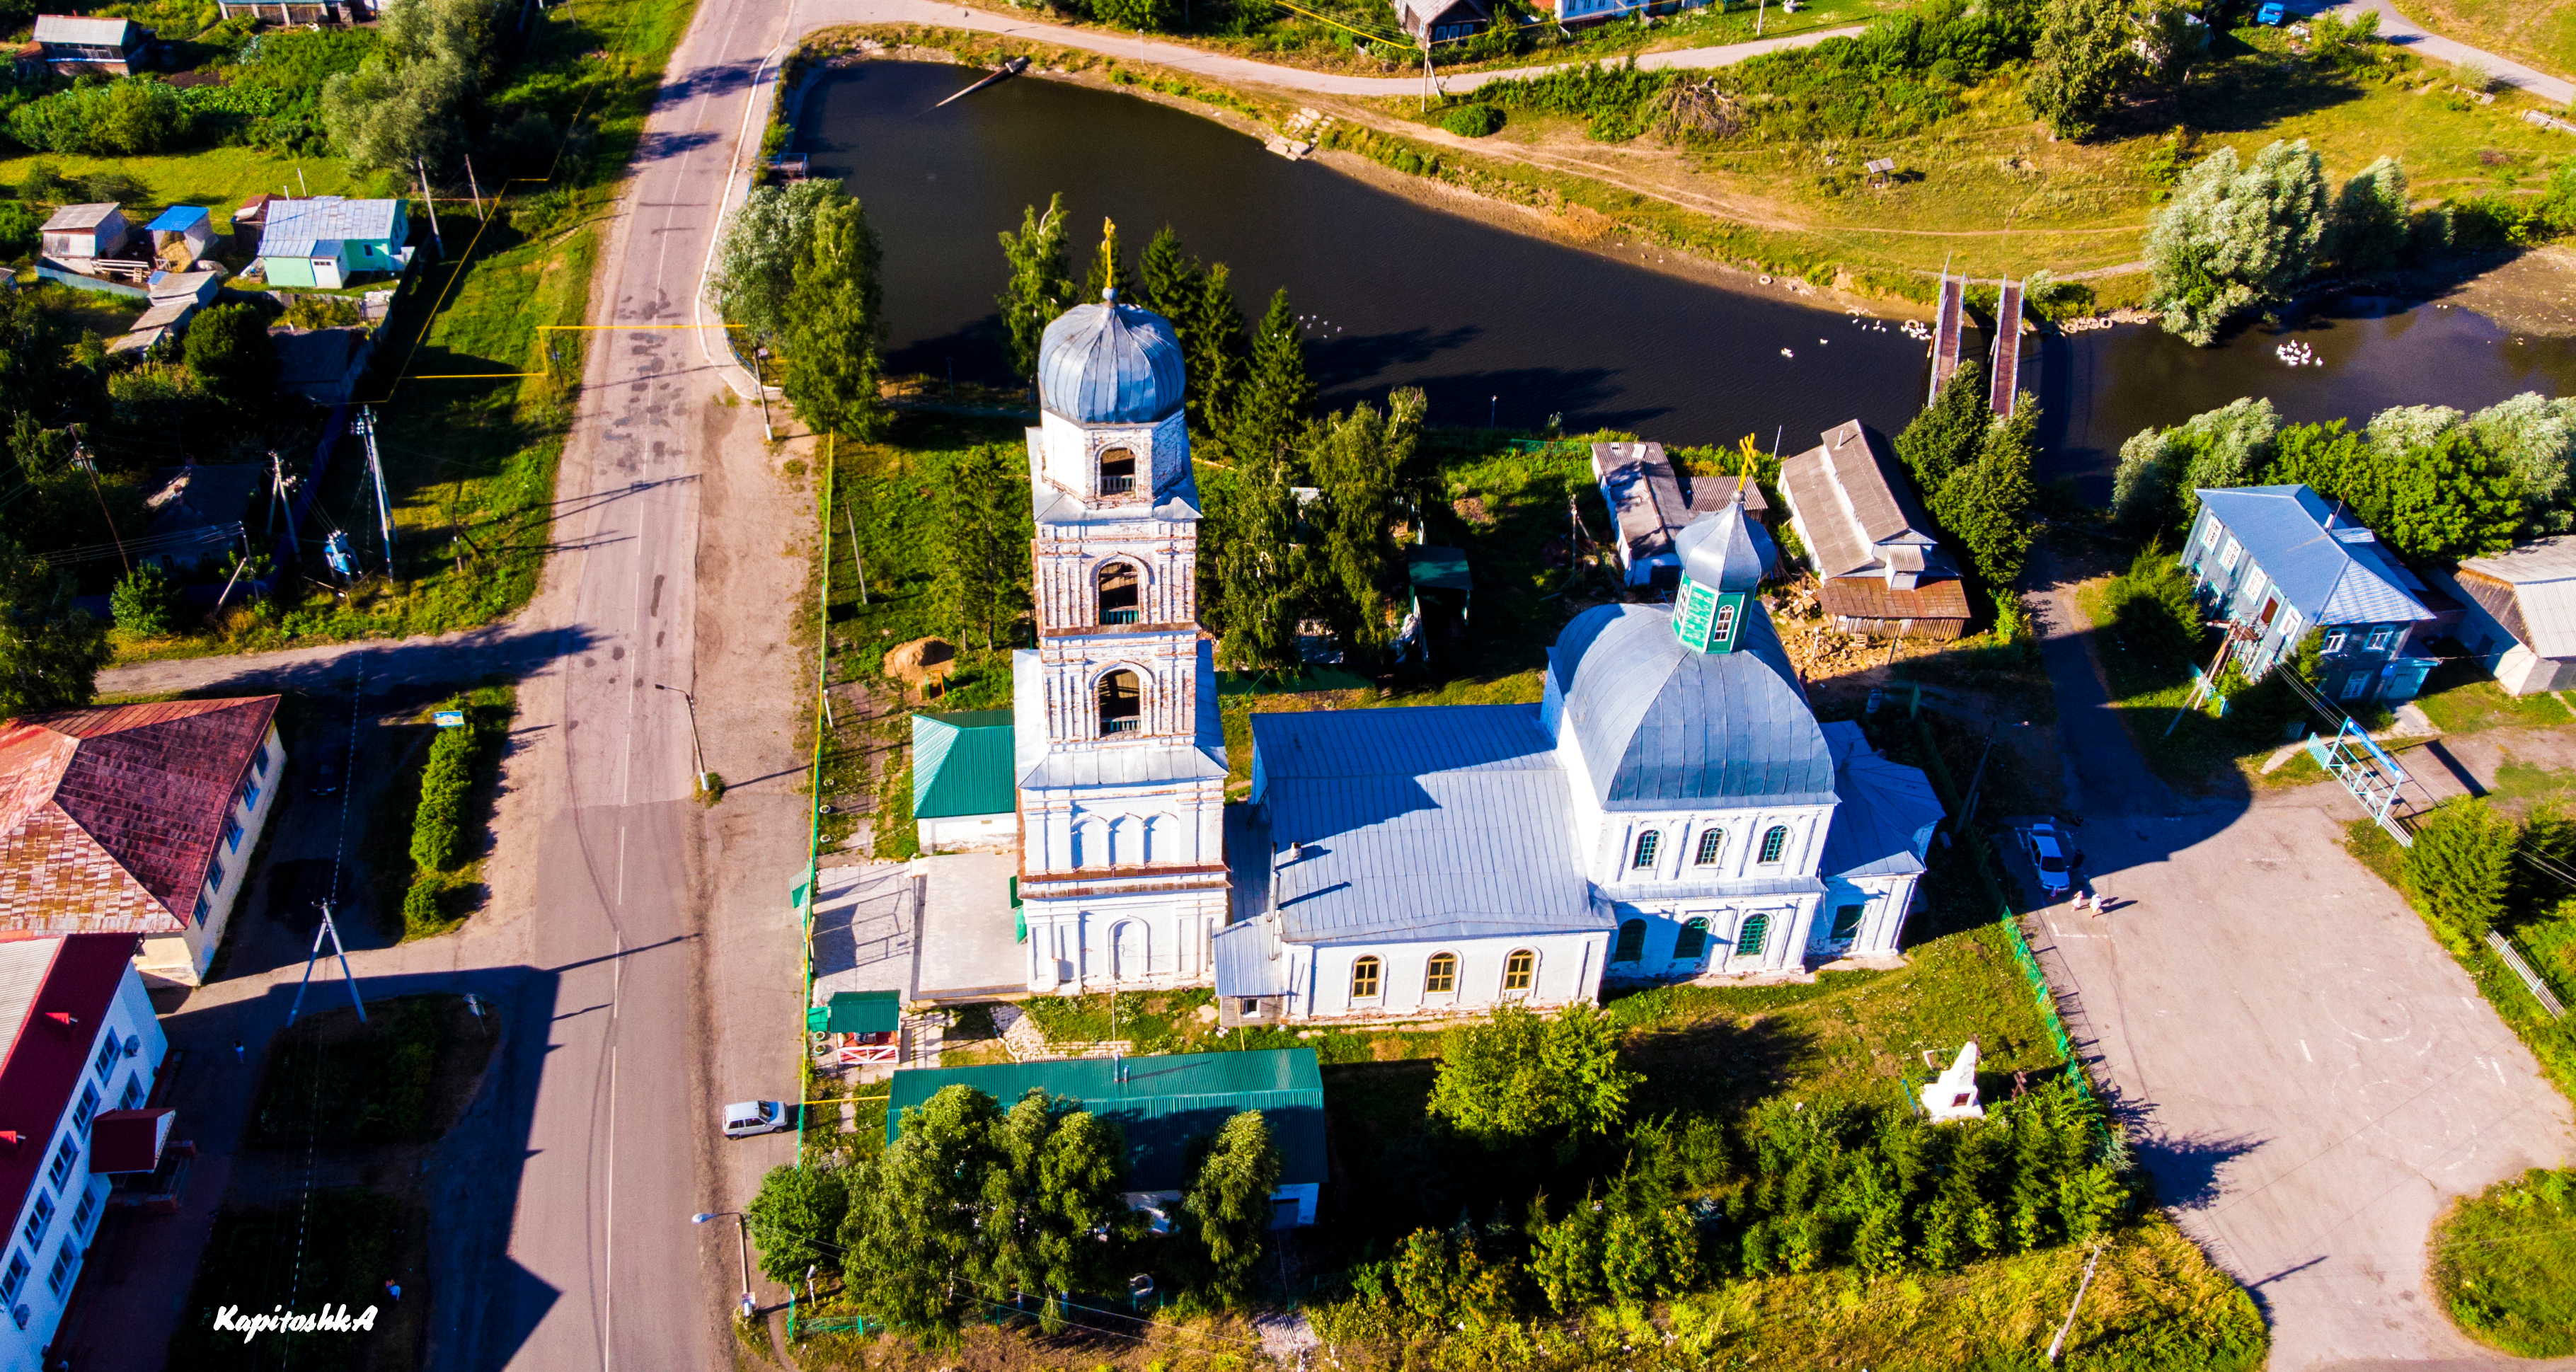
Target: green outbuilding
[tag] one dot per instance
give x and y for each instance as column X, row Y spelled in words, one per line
column 1164, row 1104
column 964, row 792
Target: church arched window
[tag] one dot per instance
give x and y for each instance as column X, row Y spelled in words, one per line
column 1632, row 942
column 1749, row 937
column 1364, row 979
column 1711, row 843
column 1520, row 971
column 1693, row 943
column 1440, row 975
column 1117, row 471
column 1122, row 703
column 1118, row 593
column 1775, row 843
column 1645, row 856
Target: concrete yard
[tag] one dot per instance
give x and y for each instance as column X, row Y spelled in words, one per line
column 2309, row 1077
column 970, row 948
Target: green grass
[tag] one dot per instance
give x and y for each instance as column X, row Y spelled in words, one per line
column 337, row 1249
column 2461, row 699
column 2504, row 1264
column 217, row 178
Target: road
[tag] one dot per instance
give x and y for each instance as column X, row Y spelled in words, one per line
column 2415, row 38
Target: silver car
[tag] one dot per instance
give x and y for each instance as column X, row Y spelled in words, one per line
column 2047, row 846
column 744, row 1118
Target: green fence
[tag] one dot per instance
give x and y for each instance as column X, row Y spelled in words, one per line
column 798, row 1326
column 2042, row 995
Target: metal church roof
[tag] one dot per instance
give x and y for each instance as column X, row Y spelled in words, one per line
column 1661, row 726
column 1163, row 1103
column 1718, row 551
column 961, row 764
column 1447, row 821
column 1111, row 364
column 1887, row 814
column 2324, row 561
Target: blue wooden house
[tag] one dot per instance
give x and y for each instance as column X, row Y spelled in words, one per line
column 2281, row 560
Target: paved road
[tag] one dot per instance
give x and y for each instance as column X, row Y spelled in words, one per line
column 2310, row 1078
column 2414, row 37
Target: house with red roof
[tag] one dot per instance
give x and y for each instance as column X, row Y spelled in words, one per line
column 136, row 819
column 75, row 1113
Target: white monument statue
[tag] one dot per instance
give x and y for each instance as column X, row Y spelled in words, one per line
column 1954, row 1096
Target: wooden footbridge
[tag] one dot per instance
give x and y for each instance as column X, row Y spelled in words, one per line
column 1949, row 323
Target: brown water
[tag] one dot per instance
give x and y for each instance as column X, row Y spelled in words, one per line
column 1499, row 327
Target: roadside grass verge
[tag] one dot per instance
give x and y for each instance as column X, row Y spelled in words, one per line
column 2504, row 1264
column 2538, row 33
column 404, row 1076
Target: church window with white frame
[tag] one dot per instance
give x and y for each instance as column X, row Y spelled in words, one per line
column 1712, row 842
column 1520, row 970
column 1646, row 849
column 1364, row 978
column 1775, row 843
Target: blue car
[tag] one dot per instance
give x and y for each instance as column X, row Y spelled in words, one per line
column 2269, row 14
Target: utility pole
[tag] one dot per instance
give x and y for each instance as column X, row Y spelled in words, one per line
column 694, row 749
column 1764, row 12
column 431, row 204
column 476, row 189
column 2059, row 1342
column 742, row 1229
column 80, row 454
column 331, row 931
column 857, row 553
column 384, row 511
column 760, row 383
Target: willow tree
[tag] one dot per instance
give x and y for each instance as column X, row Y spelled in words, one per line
column 2236, row 239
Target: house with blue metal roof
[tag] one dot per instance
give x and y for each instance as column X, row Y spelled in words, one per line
column 1165, row 1105
column 330, row 240
column 2278, row 561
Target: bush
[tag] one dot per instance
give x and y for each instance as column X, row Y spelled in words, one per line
column 139, row 114
column 2504, row 1264
column 144, row 601
column 438, row 827
column 1472, row 121
column 21, row 230
column 2460, row 871
column 421, row 909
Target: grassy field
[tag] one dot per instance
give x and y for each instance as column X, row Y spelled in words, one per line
column 217, row 178
column 2536, row 33
column 2504, row 1264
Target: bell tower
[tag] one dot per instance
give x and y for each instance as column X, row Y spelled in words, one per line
column 1119, row 752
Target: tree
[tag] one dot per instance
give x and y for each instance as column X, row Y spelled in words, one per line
column 2372, row 219
column 2323, row 458
column 1276, row 395
column 796, row 1219
column 2079, row 65
column 2446, row 499
column 2175, row 39
column 913, row 1245
column 229, row 352
column 1252, row 532
column 1141, row 16
column 50, row 649
column 2159, row 469
column 1519, row 1077
column 1200, row 306
column 2460, row 870
column 411, row 102
column 2535, row 437
column 1226, row 1209
column 2154, row 610
column 143, row 600
column 2235, row 239
column 984, row 531
column 1039, row 288
column 763, row 244
column 831, row 333
column 1055, row 1187
column 1356, row 460
column 1986, row 504
column 1944, row 436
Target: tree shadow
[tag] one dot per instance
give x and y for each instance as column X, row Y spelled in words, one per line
column 1721, row 1065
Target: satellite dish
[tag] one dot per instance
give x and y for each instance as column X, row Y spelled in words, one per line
column 22, row 1314
column 1139, row 1287
column 133, row 1044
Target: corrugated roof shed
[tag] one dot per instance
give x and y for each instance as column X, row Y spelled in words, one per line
column 1856, row 512
column 864, row 1012
column 294, row 228
column 2539, row 584
column 1164, row 1103
column 1887, row 813
column 74, row 218
column 1432, row 821
column 67, row 28
column 1858, row 597
column 2326, row 563
column 110, row 816
column 1646, row 499
column 961, row 764
column 1662, row 727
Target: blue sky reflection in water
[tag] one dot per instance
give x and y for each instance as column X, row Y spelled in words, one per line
column 1406, row 295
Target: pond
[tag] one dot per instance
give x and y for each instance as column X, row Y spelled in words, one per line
column 1499, row 327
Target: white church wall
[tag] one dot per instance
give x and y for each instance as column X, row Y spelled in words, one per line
column 1567, row 969
column 1611, row 860
column 1786, row 927
column 1884, row 903
column 1164, row 824
column 1145, row 938
column 1068, row 455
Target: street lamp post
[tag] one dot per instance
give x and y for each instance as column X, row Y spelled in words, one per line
column 742, row 1234
column 696, row 750
column 760, row 383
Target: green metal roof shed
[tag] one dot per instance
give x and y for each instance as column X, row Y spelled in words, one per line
column 857, row 1012
column 961, row 764
column 1163, row 1103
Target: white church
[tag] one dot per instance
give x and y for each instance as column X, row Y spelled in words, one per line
column 1671, row 810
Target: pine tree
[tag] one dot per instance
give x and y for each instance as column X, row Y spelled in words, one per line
column 1227, row 1206
column 1986, row 504
column 1039, row 289
column 1276, row 395
column 1219, row 356
column 832, row 326
column 1167, row 281
column 2460, row 870
column 982, row 582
